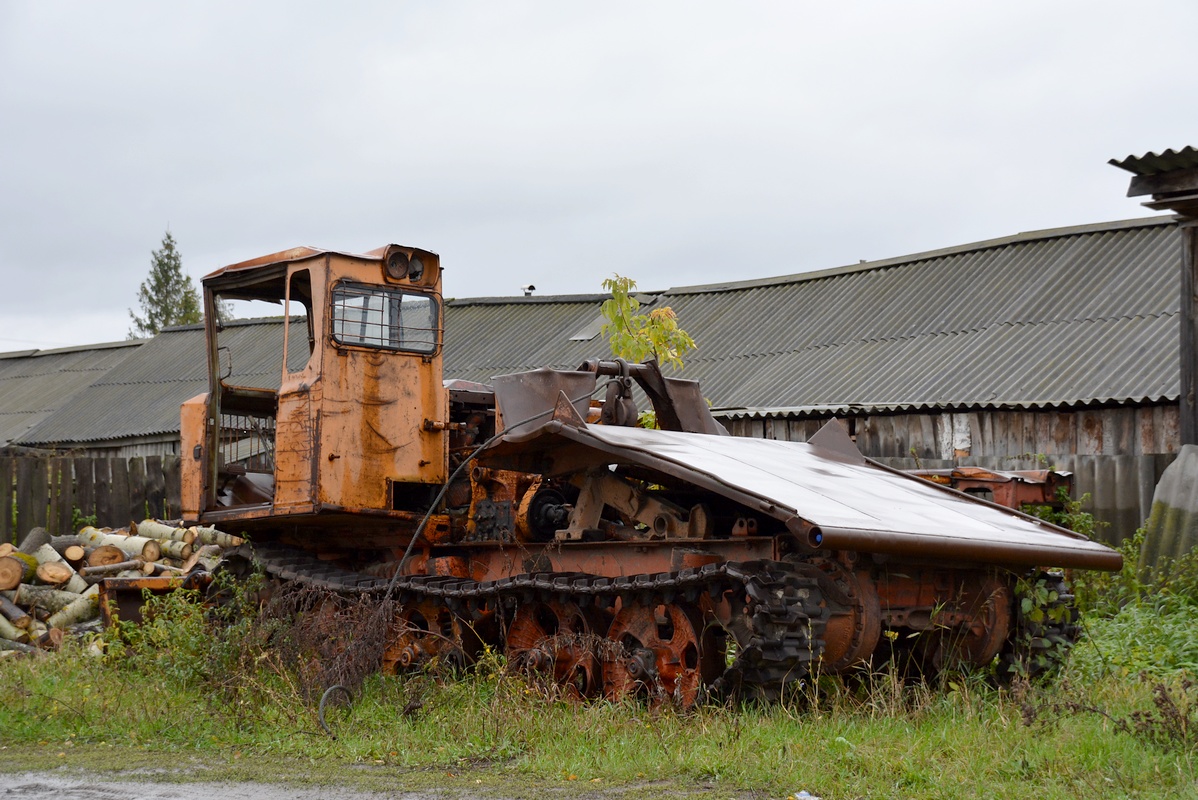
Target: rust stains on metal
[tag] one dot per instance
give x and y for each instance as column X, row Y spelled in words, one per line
column 1010, row 488
column 124, row 598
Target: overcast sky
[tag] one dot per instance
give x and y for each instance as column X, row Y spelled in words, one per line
column 555, row 143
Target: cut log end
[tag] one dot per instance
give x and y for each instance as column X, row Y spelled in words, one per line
column 54, row 573
column 13, row 571
column 151, row 551
column 104, row 554
column 52, row 639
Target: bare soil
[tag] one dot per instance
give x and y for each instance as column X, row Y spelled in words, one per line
column 83, row 786
column 39, row 786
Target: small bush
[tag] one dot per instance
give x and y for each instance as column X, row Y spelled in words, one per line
column 1105, row 593
column 186, row 638
column 1068, row 513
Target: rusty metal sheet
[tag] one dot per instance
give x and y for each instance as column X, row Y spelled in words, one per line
column 525, row 398
column 123, row 598
column 855, row 504
column 297, row 254
column 1010, row 488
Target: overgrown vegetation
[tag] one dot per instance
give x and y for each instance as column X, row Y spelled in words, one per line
column 222, row 684
column 636, row 337
column 227, row 682
column 1068, row 513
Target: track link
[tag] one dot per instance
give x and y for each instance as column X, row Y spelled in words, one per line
column 1038, row 648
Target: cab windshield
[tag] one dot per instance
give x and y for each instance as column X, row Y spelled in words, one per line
column 385, row 318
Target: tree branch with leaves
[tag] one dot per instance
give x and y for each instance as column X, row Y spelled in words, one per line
column 637, row 337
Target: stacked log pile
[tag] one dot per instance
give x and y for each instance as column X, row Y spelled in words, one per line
column 50, row 585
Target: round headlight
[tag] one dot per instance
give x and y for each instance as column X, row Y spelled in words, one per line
column 397, row 265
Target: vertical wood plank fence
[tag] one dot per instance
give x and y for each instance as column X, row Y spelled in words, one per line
column 58, row 492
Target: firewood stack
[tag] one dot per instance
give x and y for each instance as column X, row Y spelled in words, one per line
column 49, row 585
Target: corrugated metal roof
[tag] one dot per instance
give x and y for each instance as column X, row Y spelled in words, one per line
column 484, row 339
column 1066, row 317
column 1153, row 164
column 141, row 396
column 1072, row 316
column 36, row 383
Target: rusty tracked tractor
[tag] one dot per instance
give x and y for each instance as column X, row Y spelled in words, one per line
column 612, row 560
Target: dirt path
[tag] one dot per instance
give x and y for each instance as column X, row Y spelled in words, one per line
column 39, row 786
column 79, row 785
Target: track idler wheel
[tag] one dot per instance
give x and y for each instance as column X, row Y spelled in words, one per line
column 664, row 654
column 1040, row 641
column 852, row 632
column 556, row 640
column 990, row 606
column 424, row 631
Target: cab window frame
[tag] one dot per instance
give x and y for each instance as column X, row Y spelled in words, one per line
column 382, row 327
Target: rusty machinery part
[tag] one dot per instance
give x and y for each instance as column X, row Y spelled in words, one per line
column 778, row 621
column 543, row 511
column 666, row 653
column 989, row 607
column 297, row 565
column 775, row 615
column 855, row 617
column 424, row 631
column 778, row 614
column 513, row 469
column 1038, row 648
column 618, row 405
column 560, row 641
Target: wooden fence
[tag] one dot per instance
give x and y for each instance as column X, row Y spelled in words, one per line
column 59, row 492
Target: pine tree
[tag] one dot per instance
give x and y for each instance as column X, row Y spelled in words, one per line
column 167, row 297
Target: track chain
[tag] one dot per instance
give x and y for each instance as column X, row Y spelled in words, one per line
column 786, row 616
column 1037, row 649
column 778, row 633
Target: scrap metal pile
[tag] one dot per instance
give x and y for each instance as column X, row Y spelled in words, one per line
column 55, row 586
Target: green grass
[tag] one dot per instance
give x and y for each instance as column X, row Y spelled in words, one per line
column 887, row 741
column 214, row 703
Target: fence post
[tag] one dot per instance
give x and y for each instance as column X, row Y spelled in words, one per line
column 118, row 503
column 136, row 502
column 8, row 531
column 62, row 496
column 33, row 493
column 85, row 486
